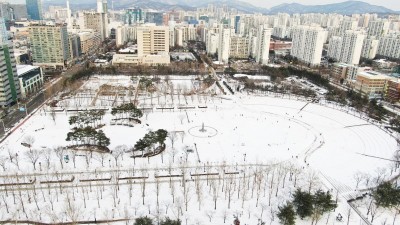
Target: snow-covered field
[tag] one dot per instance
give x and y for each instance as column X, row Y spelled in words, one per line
column 255, row 151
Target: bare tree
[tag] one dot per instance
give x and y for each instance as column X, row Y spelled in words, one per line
column 374, row 209
column 210, row 214
column 3, row 161
column 199, row 191
column 117, row 153
column 72, row 212
column 181, row 117
column 186, row 194
column 358, row 177
column 47, row 157
column 172, row 137
column 224, row 214
column 33, row 156
column 29, row 140
column 230, row 189
column 312, row 180
column 182, row 134
column 101, row 158
column 214, row 186
column 60, row 155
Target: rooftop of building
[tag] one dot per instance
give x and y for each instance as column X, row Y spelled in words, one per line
column 372, row 75
column 23, row 69
column 341, row 65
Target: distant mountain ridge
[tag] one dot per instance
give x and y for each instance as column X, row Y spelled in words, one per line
column 346, row 8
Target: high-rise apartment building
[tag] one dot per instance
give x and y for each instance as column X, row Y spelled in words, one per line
column 9, row 85
column 370, row 47
column 345, row 25
column 152, row 40
column 262, row 49
column 308, row 42
column 34, row 9
column 239, row 48
column 224, row 43
column 347, row 48
column 378, row 28
column 95, row 21
column 50, row 45
column 389, row 46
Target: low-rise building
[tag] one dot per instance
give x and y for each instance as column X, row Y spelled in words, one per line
column 339, row 71
column 393, row 90
column 371, row 84
column 135, row 59
column 30, row 79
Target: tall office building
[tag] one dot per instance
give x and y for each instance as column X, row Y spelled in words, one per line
column 308, row 43
column 152, row 40
column 50, row 45
column 34, row 9
column 9, row 85
column 133, row 16
column 263, row 40
column 102, row 6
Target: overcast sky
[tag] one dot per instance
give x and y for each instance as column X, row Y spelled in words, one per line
column 391, row 4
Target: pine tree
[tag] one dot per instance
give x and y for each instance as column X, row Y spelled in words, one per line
column 303, row 203
column 387, row 195
column 143, row 221
column 286, row 214
column 322, row 203
column 168, row 221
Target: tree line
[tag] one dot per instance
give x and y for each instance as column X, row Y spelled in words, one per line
column 128, row 110
column 88, row 136
column 149, row 141
column 306, row 204
column 345, row 97
column 90, row 118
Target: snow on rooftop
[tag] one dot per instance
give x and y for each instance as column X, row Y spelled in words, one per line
column 22, row 69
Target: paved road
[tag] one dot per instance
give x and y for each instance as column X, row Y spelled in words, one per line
column 15, row 116
column 12, row 118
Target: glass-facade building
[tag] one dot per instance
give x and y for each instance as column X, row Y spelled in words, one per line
column 34, row 9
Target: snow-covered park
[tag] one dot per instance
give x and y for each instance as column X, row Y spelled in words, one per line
column 237, row 155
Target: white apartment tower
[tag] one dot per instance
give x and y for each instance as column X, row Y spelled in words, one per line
column 224, row 43
column 347, row 48
column 263, row 41
column 389, row 46
column 370, row 47
column 212, row 42
column 345, row 25
column 378, row 28
column 308, row 43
